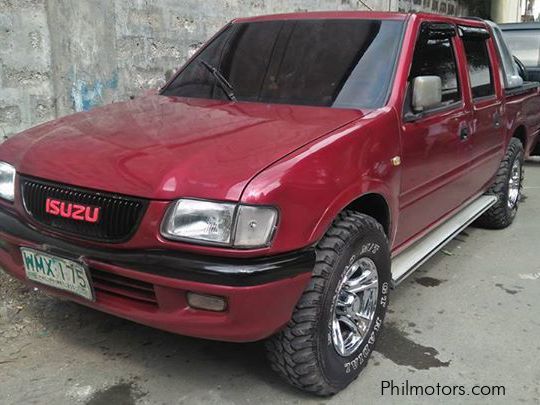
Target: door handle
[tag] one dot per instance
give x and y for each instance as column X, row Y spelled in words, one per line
column 464, row 133
column 497, row 120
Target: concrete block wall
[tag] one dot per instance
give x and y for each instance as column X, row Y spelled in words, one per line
column 26, row 89
column 62, row 56
column 449, row 7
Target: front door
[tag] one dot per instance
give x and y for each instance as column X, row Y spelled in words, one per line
column 435, row 147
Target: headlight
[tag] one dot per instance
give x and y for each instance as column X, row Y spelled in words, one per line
column 224, row 224
column 7, row 181
column 200, row 220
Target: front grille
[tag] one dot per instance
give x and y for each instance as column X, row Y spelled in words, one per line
column 120, row 286
column 118, row 219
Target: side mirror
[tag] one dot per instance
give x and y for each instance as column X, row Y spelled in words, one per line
column 426, row 92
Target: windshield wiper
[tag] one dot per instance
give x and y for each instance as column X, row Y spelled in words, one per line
column 223, row 83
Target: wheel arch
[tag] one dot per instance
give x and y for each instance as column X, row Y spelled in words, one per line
column 374, row 205
column 521, row 133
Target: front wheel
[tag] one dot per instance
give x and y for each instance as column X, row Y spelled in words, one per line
column 339, row 317
column 507, row 187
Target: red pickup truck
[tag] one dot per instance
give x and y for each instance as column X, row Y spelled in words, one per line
column 290, row 174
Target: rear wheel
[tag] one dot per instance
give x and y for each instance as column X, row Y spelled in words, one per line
column 507, row 187
column 339, row 317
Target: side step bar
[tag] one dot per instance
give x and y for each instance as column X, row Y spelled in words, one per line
column 406, row 262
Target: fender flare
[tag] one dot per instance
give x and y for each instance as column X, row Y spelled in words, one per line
column 351, row 194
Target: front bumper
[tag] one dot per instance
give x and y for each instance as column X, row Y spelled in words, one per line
column 150, row 286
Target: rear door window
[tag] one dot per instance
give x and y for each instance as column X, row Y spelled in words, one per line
column 479, row 66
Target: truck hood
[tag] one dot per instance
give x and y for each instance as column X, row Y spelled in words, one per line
column 164, row 148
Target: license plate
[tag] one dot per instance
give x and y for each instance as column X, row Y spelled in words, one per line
column 57, row 272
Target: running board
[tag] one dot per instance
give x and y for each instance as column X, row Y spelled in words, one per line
column 406, row 262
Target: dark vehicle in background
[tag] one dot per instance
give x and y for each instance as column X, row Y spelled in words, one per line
column 523, row 39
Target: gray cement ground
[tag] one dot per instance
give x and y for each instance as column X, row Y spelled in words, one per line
column 469, row 316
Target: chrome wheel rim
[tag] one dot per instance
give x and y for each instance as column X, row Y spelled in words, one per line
column 514, row 184
column 355, row 306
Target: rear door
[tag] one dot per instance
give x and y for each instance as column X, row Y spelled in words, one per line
column 485, row 91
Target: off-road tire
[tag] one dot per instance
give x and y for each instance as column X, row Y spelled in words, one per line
column 501, row 215
column 303, row 353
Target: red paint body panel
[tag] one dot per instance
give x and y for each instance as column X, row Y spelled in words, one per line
column 524, row 111
column 349, row 163
column 309, row 162
column 164, row 148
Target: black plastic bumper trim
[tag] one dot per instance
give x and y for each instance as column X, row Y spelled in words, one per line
column 170, row 263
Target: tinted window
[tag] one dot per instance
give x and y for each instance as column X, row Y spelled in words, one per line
column 525, row 45
column 339, row 63
column 435, row 57
column 479, row 67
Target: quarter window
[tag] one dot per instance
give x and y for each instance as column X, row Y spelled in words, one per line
column 480, row 72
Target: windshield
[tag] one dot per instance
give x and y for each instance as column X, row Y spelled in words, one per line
column 525, row 44
column 345, row 63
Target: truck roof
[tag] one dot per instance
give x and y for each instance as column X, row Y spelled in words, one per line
column 314, row 15
column 379, row 15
